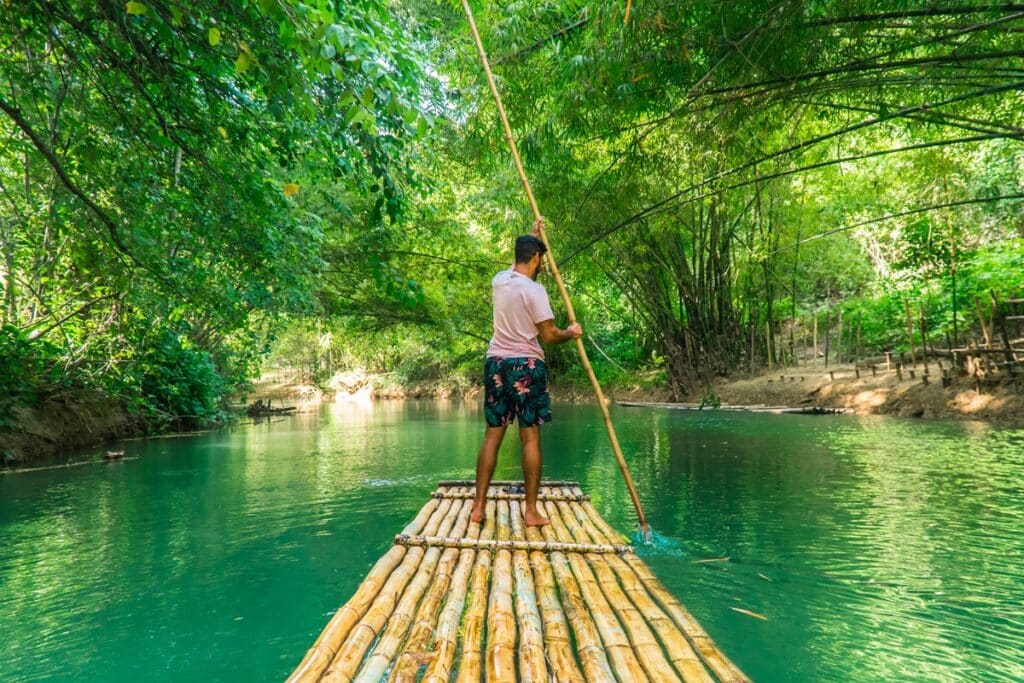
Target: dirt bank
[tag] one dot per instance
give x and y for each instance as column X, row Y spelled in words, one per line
column 881, row 394
column 63, row 424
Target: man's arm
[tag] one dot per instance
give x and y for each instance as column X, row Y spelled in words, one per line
column 550, row 334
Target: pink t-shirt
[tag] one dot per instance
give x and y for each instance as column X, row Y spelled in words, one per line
column 519, row 305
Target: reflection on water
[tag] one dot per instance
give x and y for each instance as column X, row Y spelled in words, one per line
column 878, row 549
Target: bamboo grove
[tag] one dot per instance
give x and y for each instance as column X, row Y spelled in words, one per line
column 182, row 184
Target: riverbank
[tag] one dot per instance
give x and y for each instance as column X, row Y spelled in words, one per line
column 886, row 393
column 837, row 387
column 63, row 424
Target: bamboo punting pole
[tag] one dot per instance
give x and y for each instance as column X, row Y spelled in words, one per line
column 532, row 664
column 557, row 640
column 424, row 626
column 640, row 637
column 623, row 660
column 561, row 546
column 401, row 619
column 472, row 629
column 553, row 265
column 502, row 495
column 363, row 635
column 589, row 648
column 326, row 646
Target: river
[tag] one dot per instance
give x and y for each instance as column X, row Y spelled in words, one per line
column 877, row 549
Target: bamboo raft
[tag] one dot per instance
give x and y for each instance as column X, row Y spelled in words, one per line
column 499, row 601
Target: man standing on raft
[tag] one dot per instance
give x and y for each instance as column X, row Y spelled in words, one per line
column 515, row 375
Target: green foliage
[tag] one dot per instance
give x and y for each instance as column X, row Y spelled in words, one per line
column 175, row 381
column 27, row 369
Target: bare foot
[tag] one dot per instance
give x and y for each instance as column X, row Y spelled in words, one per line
column 477, row 516
column 533, row 519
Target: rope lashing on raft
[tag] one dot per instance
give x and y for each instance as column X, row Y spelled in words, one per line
column 542, row 546
column 584, row 359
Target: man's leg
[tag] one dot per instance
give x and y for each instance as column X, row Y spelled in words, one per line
column 485, row 462
column 530, row 436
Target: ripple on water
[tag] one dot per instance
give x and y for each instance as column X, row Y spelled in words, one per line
column 877, row 549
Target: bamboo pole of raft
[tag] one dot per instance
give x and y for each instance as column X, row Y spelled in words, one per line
column 446, row 638
column 473, row 624
column 621, row 656
column 584, row 359
column 402, row 619
column 557, row 644
column 683, row 657
column 592, row 654
column 639, row 637
column 532, row 664
column 362, row 636
column 327, row 644
column 724, row 669
column 409, row 660
column 500, row 659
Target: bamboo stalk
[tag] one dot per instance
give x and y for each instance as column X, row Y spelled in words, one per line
column 553, row 265
column 326, row 646
column 557, row 645
column 472, row 627
column 910, row 332
column 641, row 638
column 531, row 655
column 446, row 638
column 510, row 545
column 402, row 619
column 815, row 337
column 592, row 654
column 839, row 338
column 365, row 632
column 623, row 660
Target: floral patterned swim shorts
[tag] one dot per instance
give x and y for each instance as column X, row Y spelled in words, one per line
column 516, row 387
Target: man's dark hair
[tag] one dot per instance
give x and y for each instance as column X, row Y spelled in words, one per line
column 528, row 246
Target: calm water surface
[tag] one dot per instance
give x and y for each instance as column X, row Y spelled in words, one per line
column 878, row 549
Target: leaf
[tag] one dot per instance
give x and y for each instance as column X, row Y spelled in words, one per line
column 749, row 613
column 135, row 8
column 214, row 36
column 291, row 189
column 243, row 63
column 223, row 132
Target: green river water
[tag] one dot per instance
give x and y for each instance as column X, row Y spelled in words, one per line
column 878, row 549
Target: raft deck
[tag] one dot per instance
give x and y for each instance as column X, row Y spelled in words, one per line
column 500, row 601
